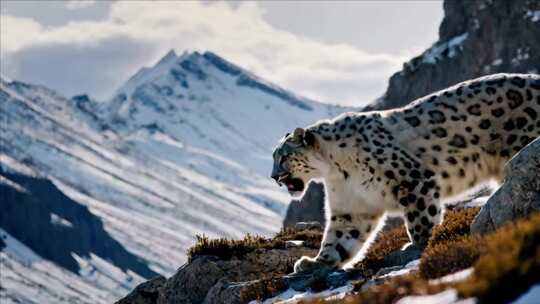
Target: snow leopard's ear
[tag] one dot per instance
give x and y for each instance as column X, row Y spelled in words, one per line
column 299, row 133
column 309, row 139
column 305, row 137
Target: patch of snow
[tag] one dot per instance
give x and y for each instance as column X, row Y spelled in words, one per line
column 292, row 296
column 454, row 277
column 12, row 184
column 60, row 221
column 497, row 62
column 521, row 55
column 534, row 16
column 532, row 296
column 413, row 265
column 448, row 49
column 294, row 243
column 446, row 297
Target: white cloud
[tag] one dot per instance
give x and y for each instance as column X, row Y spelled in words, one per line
column 330, row 72
column 78, row 4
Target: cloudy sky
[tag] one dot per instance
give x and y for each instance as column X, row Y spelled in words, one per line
column 338, row 52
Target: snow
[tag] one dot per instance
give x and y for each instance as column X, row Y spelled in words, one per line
column 453, row 277
column 532, row 296
column 534, row 16
column 293, row 296
column 522, row 54
column 28, row 278
column 449, row 296
column 413, row 265
column 183, row 148
column 451, row 47
column 60, row 221
column 497, row 62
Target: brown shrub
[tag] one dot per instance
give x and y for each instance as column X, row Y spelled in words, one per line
column 456, row 223
column 448, row 257
column 228, row 248
column 450, row 247
column 510, row 265
column 385, row 243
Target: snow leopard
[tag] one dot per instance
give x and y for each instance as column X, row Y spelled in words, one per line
column 408, row 160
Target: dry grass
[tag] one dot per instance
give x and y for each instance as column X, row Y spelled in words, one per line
column 510, row 265
column 448, row 257
column 456, row 224
column 385, row 243
column 229, row 248
column 451, row 248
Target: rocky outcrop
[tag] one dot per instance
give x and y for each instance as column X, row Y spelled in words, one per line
column 476, row 37
column 310, row 208
column 145, row 293
column 238, row 278
column 198, row 277
column 518, row 196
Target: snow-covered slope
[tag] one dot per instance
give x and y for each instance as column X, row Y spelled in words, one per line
column 183, row 148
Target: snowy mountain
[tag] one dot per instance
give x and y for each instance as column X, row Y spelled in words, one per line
column 183, row 148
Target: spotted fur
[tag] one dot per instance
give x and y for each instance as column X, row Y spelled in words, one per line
column 408, row 159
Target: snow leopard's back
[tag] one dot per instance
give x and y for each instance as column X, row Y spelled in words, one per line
column 467, row 132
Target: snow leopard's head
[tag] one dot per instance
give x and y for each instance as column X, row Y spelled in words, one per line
column 297, row 160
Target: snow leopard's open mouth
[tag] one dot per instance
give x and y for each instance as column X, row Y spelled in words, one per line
column 293, row 184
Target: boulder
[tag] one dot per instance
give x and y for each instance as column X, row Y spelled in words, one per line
column 209, row 279
column 310, row 208
column 518, row 196
column 145, row 293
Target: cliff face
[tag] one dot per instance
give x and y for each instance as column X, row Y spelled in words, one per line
column 476, row 38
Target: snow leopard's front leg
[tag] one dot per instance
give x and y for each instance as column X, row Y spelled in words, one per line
column 344, row 236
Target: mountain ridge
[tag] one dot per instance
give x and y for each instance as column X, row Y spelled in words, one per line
column 167, row 161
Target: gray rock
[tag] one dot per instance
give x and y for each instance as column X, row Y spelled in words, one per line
column 193, row 281
column 225, row 292
column 310, row 208
column 145, row 293
column 518, row 196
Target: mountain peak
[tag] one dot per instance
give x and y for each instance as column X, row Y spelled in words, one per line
column 170, row 56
